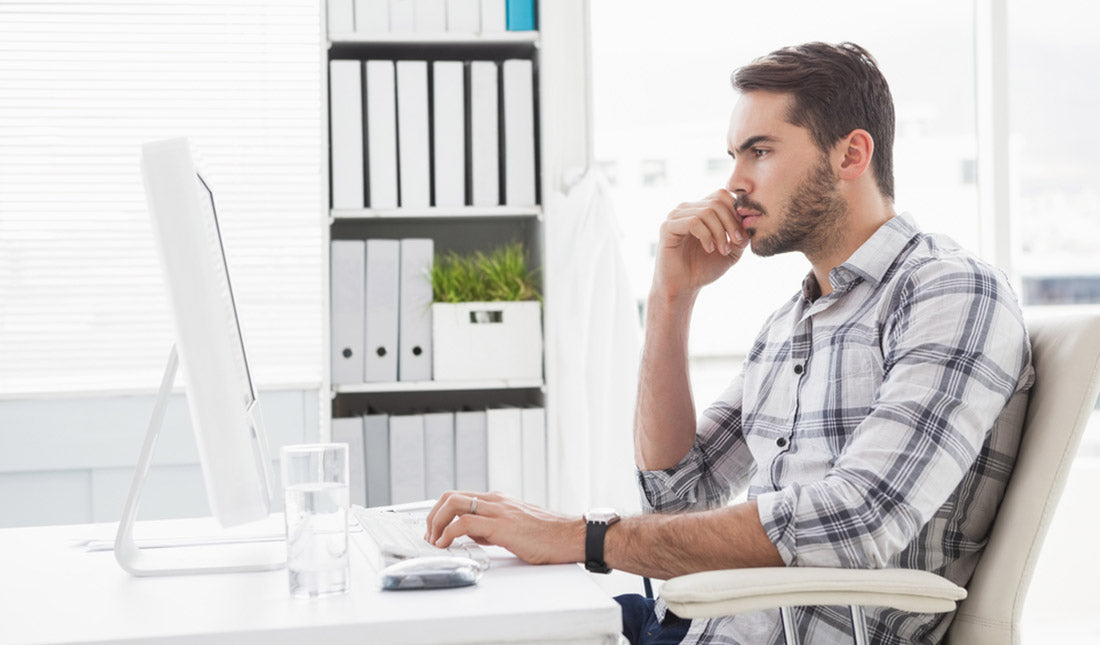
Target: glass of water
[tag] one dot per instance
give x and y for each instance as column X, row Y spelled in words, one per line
column 315, row 477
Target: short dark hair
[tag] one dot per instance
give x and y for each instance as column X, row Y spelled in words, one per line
column 836, row 89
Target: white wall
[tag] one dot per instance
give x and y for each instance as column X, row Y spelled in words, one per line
column 71, row 460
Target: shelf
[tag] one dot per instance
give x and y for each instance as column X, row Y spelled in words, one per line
column 445, row 46
column 439, row 386
column 413, row 38
column 459, row 212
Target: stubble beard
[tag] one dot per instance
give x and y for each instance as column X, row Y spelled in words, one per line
column 811, row 218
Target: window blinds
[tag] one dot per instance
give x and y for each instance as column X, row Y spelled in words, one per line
column 82, row 86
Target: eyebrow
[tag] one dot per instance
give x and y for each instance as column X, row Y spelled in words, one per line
column 752, row 141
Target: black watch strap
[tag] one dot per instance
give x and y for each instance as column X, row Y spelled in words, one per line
column 593, row 547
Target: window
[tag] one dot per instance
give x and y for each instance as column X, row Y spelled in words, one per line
column 654, row 172
column 85, row 84
column 1054, row 96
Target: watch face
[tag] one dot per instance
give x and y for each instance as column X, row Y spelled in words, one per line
column 605, row 515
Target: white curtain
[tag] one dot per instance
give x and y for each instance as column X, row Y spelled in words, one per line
column 594, row 336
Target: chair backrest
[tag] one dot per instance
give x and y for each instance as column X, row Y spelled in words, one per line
column 1066, row 357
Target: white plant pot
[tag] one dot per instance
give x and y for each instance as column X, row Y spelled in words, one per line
column 486, row 340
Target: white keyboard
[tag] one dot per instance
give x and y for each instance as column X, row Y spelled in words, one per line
column 399, row 535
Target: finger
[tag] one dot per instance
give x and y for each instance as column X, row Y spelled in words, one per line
column 708, row 230
column 459, row 504
column 721, row 204
column 439, row 504
column 725, row 208
column 477, row 527
column 449, row 507
column 676, row 229
column 711, row 221
column 716, row 221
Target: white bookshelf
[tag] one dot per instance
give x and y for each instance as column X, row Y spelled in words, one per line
column 559, row 52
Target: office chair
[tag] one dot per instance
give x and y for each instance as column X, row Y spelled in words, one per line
column 1066, row 358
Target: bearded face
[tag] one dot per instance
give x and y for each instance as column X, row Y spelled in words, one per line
column 807, row 222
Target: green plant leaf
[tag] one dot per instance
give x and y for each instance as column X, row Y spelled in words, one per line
column 500, row 274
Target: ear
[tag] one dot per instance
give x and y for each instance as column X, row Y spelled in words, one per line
column 855, row 152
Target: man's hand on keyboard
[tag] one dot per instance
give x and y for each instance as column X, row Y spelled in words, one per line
column 534, row 534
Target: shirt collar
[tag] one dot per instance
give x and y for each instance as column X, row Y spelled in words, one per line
column 871, row 260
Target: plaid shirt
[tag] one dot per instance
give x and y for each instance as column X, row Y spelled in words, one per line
column 875, row 427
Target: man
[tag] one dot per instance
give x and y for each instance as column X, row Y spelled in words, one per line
column 877, row 416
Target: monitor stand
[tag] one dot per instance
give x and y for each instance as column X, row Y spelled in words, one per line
column 202, row 555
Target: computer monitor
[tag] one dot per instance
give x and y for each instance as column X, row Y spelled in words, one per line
column 221, row 397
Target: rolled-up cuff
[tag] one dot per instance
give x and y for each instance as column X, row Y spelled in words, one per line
column 776, row 511
column 671, row 489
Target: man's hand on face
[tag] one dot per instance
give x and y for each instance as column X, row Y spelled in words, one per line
column 534, row 534
column 699, row 242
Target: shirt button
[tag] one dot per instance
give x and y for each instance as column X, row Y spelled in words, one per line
column 781, row 442
column 798, row 369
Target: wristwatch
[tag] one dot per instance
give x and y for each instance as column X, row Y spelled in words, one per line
column 597, row 520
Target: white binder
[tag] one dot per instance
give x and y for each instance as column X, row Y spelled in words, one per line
column 382, row 306
column 505, row 451
column 407, row 458
column 415, row 335
column 439, row 453
column 340, row 18
column 346, row 111
column 372, row 16
column 412, row 126
column 431, row 16
column 349, row 430
column 463, row 16
column 381, row 133
column 348, row 310
column 494, row 16
column 519, row 133
column 471, row 472
column 376, row 433
column 533, row 423
column 449, row 120
column 484, row 134
column 402, row 16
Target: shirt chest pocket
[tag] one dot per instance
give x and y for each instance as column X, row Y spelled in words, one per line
column 851, row 371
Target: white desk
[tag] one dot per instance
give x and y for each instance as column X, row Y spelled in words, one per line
column 53, row 592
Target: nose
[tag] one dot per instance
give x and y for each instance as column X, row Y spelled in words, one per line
column 738, row 182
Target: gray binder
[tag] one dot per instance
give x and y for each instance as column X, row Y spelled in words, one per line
column 415, row 336
column 382, row 133
column 439, row 453
column 383, row 262
column 484, row 134
column 413, row 154
column 519, row 133
column 349, row 430
column 376, row 431
column 471, row 471
column 347, row 309
column 340, row 17
column 504, row 448
column 449, row 120
column 534, row 456
column 406, row 458
column 346, row 110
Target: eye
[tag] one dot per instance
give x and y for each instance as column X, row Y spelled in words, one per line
column 759, row 153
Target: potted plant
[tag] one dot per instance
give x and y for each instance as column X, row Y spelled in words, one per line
column 486, row 316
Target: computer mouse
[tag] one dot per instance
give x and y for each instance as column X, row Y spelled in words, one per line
column 432, row 572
